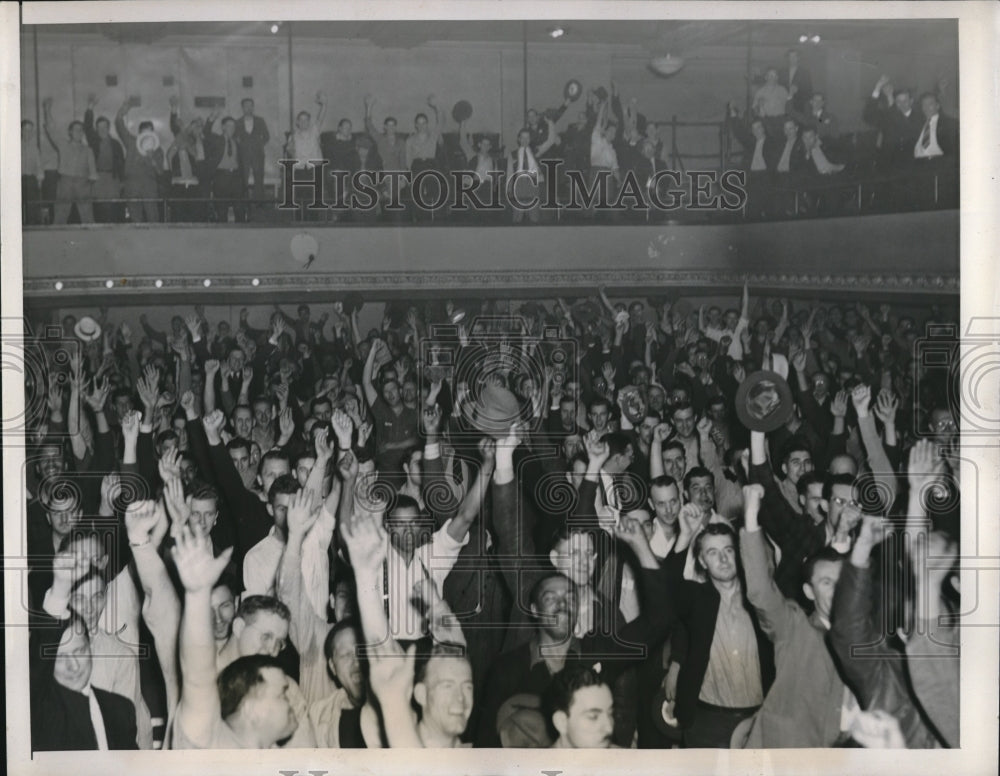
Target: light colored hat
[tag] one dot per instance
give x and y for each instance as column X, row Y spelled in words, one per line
column 87, row 329
column 147, row 142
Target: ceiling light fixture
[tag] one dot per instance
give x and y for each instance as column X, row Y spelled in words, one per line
column 556, row 32
column 275, row 27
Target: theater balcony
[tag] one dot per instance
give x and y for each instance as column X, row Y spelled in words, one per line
column 907, row 255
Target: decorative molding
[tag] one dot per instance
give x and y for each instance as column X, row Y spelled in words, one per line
column 513, row 279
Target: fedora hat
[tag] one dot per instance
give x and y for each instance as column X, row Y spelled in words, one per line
column 87, row 329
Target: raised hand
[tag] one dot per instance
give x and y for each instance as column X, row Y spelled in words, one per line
column 609, row 372
column 704, row 426
column 187, row 401
column 689, row 519
column 99, row 396
column 170, row 464
column 629, row 530
column 925, row 465
column 178, row 506
column 211, row 368
column 197, row 568
column 324, row 448
column 366, row 543
column 348, row 467
column 141, row 518
column 661, row 433
column 488, row 452
column 247, row 375
column 301, row 515
column 148, row 388
column 861, row 397
column 799, row 361
column 391, row 676
column 343, row 427
column 130, row 426
column 597, row 451
column 885, row 407
column 213, row 422
column 365, row 430
column 838, row 406
column 286, row 423
column 432, row 420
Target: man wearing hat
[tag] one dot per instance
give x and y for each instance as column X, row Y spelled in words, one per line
column 144, row 162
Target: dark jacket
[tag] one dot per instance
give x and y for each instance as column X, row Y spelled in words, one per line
column 60, row 717
column 215, row 148
column 117, row 152
column 874, row 670
column 696, row 606
column 899, row 132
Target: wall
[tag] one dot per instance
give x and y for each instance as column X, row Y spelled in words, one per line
column 847, row 254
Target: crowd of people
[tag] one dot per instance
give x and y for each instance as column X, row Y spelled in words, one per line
column 791, row 140
column 215, row 167
column 521, row 528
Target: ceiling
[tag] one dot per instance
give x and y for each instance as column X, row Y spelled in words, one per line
column 890, row 35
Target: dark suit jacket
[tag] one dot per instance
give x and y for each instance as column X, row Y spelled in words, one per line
column 947, row 135
column 803, row 81
column 117, row 152
column 899, row 132
column 696, row 606
column 60, row 718
column 215, row 148
column 252, row 144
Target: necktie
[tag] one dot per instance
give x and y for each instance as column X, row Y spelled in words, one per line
column 229, row 148
column 925, row 136
column 521, row 162
column 97, row 720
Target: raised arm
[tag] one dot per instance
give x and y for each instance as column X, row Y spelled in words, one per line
column 460, row 524
column 146, row 525
column 877, row 458
column 391, row 672
column 199, row 710
column 371, row 394
column 774, row 611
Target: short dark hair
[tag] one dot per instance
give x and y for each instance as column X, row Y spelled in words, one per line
column 206, row 492
column 663, row 481
column 420, row 116
column 836, row 479
column 828, row 554
column 673, row 444
column 252, row 605
column 75, row 123
column 239, row 679
column 387, row 119
column 564, row 685
column 285, row 484
column 595, row 402
column 536, row 589
column 166, row 436
column 807, row 479
column 144, row 125
column 238, row 443
column 402, row 501
column 694, row 472
column 682, row 405
column 796, row 444
column 617, row 443
column 245, row 100
column 713, row 529
column 275, row 455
